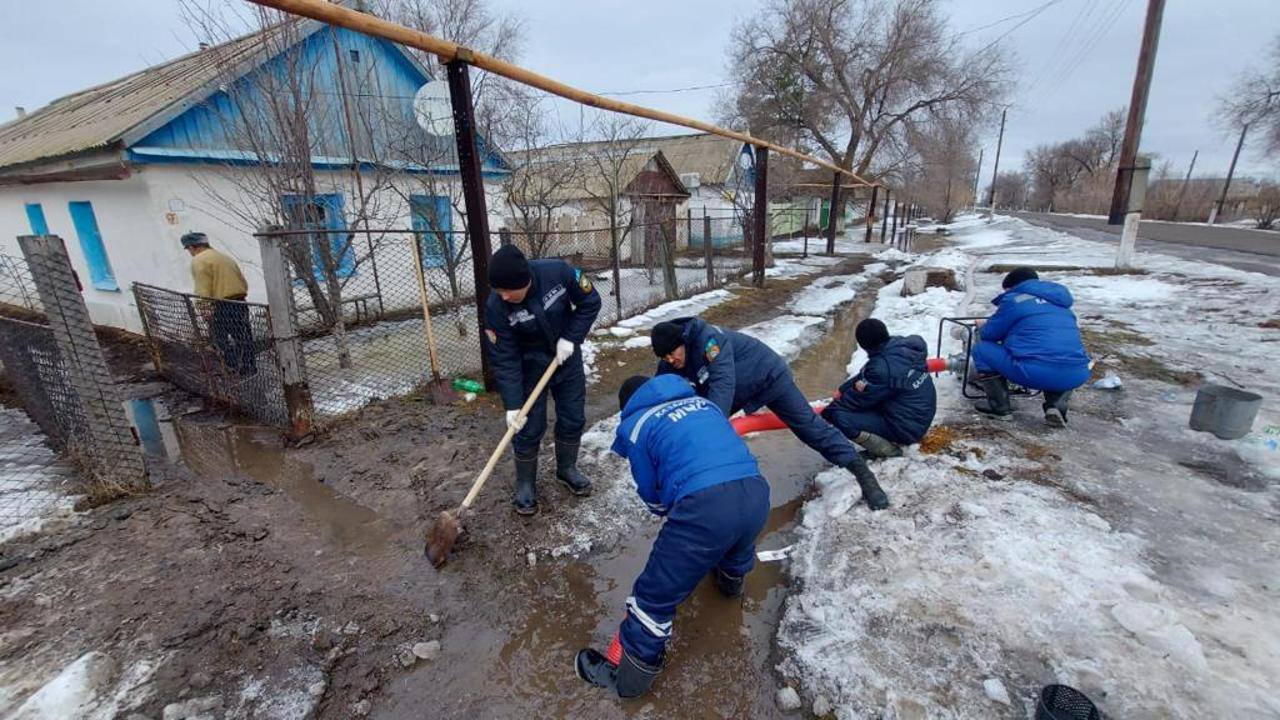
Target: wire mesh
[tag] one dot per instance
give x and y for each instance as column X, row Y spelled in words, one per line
column 219, row 349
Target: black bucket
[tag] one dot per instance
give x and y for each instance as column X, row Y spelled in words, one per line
column 1060, row 702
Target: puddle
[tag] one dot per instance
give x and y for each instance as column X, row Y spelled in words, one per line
column 721, row 659
column 218, row 450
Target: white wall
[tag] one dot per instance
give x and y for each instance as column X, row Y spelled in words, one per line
column 141, row 219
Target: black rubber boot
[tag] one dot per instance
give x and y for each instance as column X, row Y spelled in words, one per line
column 1055, row 408
column 567, row 466
column 526, row 495
column 874, row 496
column 633, row 678
column 729, row 585
column 876, row 446
column 997, row 402
column 595, row 668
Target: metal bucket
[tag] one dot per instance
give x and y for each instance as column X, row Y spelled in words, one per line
column 1224, row 411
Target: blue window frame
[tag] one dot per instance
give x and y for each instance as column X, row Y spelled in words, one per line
column 95, row 253
column 432, row 217
column 35, row 216
column 325, row 214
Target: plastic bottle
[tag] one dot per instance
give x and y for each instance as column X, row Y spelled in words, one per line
column 468, row 385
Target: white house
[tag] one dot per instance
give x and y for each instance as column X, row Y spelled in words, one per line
column 121, row 170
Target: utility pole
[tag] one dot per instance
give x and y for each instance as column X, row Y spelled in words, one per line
column 1137, row 112
column 1182, row 191
column 995, row 168
column 1217, row 207
column 977, row 177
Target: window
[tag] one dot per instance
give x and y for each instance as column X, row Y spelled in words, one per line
column 432, row 221
column 95, row 253
column 355, row 55
column 35, row 216
column 324, row 212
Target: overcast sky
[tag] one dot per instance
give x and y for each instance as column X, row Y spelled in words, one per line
column 1066, row 81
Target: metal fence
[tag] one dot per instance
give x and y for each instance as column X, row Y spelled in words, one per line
column 63, row 429
column 219, row 349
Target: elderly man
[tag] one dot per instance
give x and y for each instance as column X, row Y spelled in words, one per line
column 217, row 277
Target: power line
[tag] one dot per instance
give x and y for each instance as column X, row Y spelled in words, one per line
column 1063, row 44
column 1102, row 30
column 1001, row 21
column 691, row 88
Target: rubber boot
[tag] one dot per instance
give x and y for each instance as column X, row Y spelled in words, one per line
column 997, row 402
column 876, row 446
column 526, row 495
column 1055, row 408
column 595, row 668
column 567, row 466
column 633, row 677
column 871, row 492
column 729, row 585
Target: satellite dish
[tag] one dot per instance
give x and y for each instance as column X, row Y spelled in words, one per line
column 432, row 109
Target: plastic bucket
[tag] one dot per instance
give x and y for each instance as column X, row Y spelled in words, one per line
column 1224, row 411
column 1062, row 702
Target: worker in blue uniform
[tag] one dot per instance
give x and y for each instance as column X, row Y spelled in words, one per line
column 738, row 372
column 1032, row 339
column 540, row 311
column 891, row 401
column 690, row 467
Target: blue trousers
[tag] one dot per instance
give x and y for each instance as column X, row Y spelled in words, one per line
column 852, row 422
column 789, row 404
column 568, row 387
column 715, row 527
column 989, row 357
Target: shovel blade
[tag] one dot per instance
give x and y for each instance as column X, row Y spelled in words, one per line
column 441, row 538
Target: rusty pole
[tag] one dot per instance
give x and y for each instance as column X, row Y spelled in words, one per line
column 761, row 218
column 884, row 221
column 871, row 213
column 831, row 214
column 464, row 131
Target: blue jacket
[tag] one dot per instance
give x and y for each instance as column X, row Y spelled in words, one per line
column 1034, row 322
column 561, row 303
column 899, row 387
column 678, row 443
column 732, row 370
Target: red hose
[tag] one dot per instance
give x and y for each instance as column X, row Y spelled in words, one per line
column 763, row 421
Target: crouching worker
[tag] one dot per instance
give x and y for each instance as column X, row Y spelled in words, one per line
column 891, row 401
column 691, row 467
column 738, row 372
column 1034, row 341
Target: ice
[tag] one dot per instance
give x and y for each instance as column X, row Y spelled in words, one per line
column 995, row 691
column 1110, row 381
column 73, row 693
column 676, row 308
column 825, row 295
column 787, row 335
column 639, row 341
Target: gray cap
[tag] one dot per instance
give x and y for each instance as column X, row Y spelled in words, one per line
column 194, row 239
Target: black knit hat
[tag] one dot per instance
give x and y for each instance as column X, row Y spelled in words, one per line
column 666, row 336
column 508, row 269
column 1019, row 275
column 629, row 388
column 871, row 334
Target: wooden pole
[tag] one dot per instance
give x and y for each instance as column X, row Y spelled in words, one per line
column 995, row 167
column 428, row 330
column 871, row 214
column 464, row 130
column 707, row 256
column 284, row 335
column 1231, row 171
column 449, row 52
column 1182, row 191
column 884, row 221
column 831, row 214
column 1137, row 112
column 761, row 218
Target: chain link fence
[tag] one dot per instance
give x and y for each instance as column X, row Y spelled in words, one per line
column 63, row 429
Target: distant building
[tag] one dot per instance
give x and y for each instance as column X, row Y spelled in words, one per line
column 121, row 170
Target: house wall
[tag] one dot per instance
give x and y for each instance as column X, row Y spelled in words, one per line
column 141, row 219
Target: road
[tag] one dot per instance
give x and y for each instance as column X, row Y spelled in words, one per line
column 1253, row 250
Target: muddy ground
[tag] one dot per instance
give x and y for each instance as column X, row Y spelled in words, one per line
column 281, row 582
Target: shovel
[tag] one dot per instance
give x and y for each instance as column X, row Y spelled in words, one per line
column 441, row 393
column 445, row 532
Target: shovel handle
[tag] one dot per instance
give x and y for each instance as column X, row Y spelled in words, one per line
column 511, row 432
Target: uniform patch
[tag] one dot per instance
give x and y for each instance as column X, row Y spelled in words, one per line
column 493, row 336
column 584, row 282
column 712, row 350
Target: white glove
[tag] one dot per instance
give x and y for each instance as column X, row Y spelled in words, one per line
column 514, row 421
column 564, row 349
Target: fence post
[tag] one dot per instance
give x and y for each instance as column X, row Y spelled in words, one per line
column 893, row 231
column 761, row 218
column 707, row 254
column 871, row 213
column 805, row 254
column 464, row 132
column 95, row 388
column 884, row 221
column 284, row 335
column 831, row 214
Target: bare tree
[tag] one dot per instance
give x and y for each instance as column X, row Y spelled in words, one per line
column 604, row 174
column 847, row 76
column 1266, row 206
column 1013, row 189
column 1075, row 175
column 1254, row 103
column 543, row 180
column 946, row 163
column 279, row 118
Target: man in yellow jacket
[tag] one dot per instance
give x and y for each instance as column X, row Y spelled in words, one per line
column 222, row 289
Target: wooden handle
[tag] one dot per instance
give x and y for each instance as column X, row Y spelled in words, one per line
column 511, row 432
column 335, row 14
column 426, row 311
